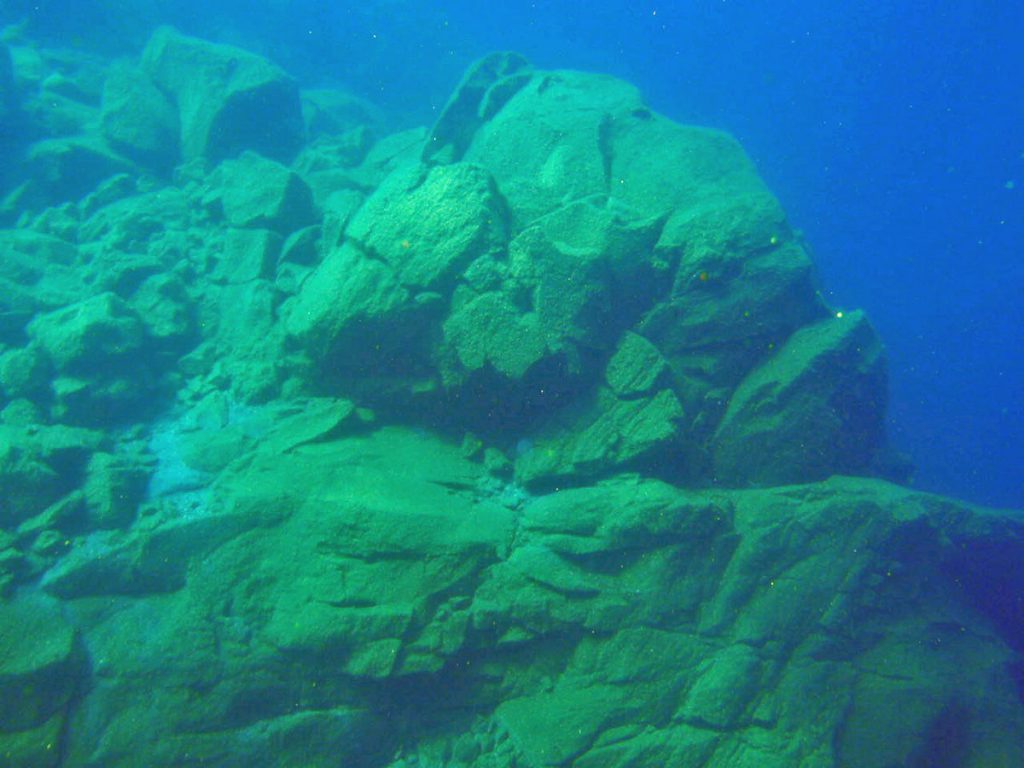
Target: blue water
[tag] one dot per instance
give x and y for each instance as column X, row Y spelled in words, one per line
column 892, row 131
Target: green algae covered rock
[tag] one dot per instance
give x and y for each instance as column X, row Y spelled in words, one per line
column 648, row 620
column 39, row 464
column 249, row 254
column 29, row 484
column 636, row 368
column 98, row 331
column 228, row 99
column 627, row 543
column 114, row 487
column 138, row 120
column 429, row 224
column 262, row 193
column 371, row 304
column 548, row 144
column 557, row 213
column 41, row 664
column 600, row 436
column 67, row 168
column 97, row 348
column 813, row 409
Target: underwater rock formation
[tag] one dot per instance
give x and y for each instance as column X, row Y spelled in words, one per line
column 525, row 439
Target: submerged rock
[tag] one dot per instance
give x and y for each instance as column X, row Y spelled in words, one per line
column 41, row 667
column 138, row 120
column 229, row 100
column 598, row 503
column 262, row 193
column 67, row 168
column 813, row 409
column 557, row 216
column 655, row 621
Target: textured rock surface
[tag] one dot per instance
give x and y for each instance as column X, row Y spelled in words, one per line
column 138, row 120
column 521, row 440
column 621, row 622
column 258, row 192
column 41, row 668
column 228, row 99
column 811, row 410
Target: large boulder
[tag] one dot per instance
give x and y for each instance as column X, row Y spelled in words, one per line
column 138, row 120
column 813, row 409
column 590, row 216
column 785, row 626
column 69, row 167
column 98, row 349
column 228, row 99
column 375, row 304
column 101, row 331
column 259, row 192
column 42, row 666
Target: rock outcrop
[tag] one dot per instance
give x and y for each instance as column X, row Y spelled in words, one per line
column 524, row 439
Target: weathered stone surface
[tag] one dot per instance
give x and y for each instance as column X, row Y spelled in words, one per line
column 262, row 193
column 36, row 274
column 486, row 86
column 166, row 310
column 352, row 313
column 229, row 100
column 248, row 342
column 548, row 144
column 34, row 747
column 602, row 435
column 38, row 465
column 27, row 484
column 137, row 119
column 742, row 285
column 375, row 303
column 636, row 368
column 24, row 372
column 98, row 331
column 571, row 287
column 310, row 421
column 41, row 666
column 712, row 618
column 428, row 224
column 249, row 254
column 570, row 283
column 114, row 487
column 813, row 409
column 152, row 559
column 67, row 168
column 489, row 332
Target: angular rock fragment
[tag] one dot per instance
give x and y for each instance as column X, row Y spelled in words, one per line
column 138, row 120
column 812, row 410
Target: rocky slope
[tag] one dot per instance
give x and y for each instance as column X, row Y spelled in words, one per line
column 522, row 440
